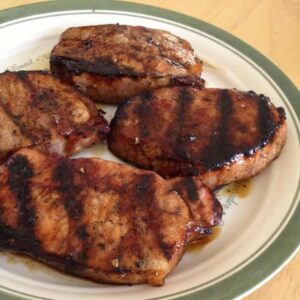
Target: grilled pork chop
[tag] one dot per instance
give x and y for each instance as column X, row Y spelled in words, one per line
column 98, row 219
column 111, row 63
column 38, row 110
column 217, row 134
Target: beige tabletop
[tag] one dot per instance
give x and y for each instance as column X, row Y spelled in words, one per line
column 273, row 28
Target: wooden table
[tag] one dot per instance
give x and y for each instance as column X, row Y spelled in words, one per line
column 273, row 28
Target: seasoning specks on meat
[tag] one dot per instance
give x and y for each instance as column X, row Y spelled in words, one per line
column 219, row 135
column 115, row 224
column 37, row 110
column 111, row 63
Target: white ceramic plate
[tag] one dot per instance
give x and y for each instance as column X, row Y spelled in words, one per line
column 260, row 231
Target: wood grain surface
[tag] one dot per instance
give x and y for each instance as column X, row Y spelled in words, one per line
column 273, row 28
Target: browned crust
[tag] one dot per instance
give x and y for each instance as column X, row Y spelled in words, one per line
column 101, row 220
column 211, row 133
column 111, row 63
column 116, row 89
column 37, row 110
column 247, row 167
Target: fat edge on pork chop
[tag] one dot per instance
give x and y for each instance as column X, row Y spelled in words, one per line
column 101, row 220
column 37, row 110
column 111, row 63
column 218, row 135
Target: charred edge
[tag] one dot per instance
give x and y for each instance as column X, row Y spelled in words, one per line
column 226, row 112
column 185, row 99
column 103, row 67
column 220, row 149
column 60, row 72
column 143, row 112
column 267, row 125
column 22, row 75
column 19, row 175
column 64, row 176
column 73, row 260
column 282, row 114
column 13, row 241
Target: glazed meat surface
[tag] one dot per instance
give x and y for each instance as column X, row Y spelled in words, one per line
column 37, row 110
column 98, row 219
column 218, row 135
column 111, row 63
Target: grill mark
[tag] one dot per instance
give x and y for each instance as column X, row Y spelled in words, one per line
column 266, row 123
column 144, row 188
column 43, row 100
column 138, row 207
column 82, row 232
column 16, row 120
column 167, row 250
column 190, row 187
column 144, row 114
column 144, row 195
column 127, row 208
column 220, row 151
column 19, row 175
column 12, row 240
column 184, row 101
column 38, row 135
column 64, row 176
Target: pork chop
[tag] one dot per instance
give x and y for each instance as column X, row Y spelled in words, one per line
column 37, row 110
column 111, row 63
column 219, row 135
column 98, row 219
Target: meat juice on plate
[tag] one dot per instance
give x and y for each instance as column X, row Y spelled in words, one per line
column 240, row 188
column 200, row 244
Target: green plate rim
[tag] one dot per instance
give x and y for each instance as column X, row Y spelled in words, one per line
column 288, row 241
